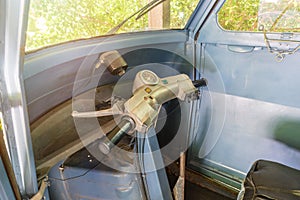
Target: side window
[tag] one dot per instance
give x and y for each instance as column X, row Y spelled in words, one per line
column 55, row 21
column 260, row 15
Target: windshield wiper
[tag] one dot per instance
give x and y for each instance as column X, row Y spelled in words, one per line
column 141, row 12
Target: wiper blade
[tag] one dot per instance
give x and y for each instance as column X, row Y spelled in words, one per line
column 141, row 12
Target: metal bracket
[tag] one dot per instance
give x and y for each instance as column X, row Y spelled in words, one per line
column 286, row 38
column 281, row 53
column 151, row 162
column 40, row 194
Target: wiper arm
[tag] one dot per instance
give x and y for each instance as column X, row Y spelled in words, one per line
column 141, row 12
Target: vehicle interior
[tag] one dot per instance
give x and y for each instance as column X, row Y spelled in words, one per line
column 205, row 110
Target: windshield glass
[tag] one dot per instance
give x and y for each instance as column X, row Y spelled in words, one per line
column 55, row 21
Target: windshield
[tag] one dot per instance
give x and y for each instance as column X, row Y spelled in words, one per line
column 55, row 21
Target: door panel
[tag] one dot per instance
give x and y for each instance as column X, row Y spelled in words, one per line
column 251, row 108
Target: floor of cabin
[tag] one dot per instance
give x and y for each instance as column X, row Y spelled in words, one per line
column 194, row 192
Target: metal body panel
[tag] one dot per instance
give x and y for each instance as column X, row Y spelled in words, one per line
column 13, row 101
column 44, row 59
column 45, row 91
column 156, row 181
column 84, row 177
column 256, row 75
column 198, row 18
column 248, row 135
column 212, row 33
column 251, row 108
column 6, row 192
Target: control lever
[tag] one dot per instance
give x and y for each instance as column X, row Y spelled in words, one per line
column 149, row 93
column 140, row 112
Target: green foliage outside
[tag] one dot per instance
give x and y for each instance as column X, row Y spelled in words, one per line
column 259, row 15
column 56, row 21
column 284, row 16
column 239, row 15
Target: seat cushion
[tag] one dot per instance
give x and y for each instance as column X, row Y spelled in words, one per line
column 270, row 180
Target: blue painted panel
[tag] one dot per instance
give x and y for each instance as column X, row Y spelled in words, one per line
column 84, row 177
column 6, row 192
column 256, row 74
column 249, row 112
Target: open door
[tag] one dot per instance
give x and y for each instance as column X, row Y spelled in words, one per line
column 250, row 56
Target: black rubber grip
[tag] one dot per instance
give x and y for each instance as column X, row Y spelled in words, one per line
column 200, row 83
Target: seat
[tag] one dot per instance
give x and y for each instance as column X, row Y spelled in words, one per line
column 268, row 180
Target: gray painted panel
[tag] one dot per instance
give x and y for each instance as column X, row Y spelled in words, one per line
column 49, row 82
column 252, row 130
column 256, row 74
column 44, row 59
column 6, row 192
column 251, row 111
